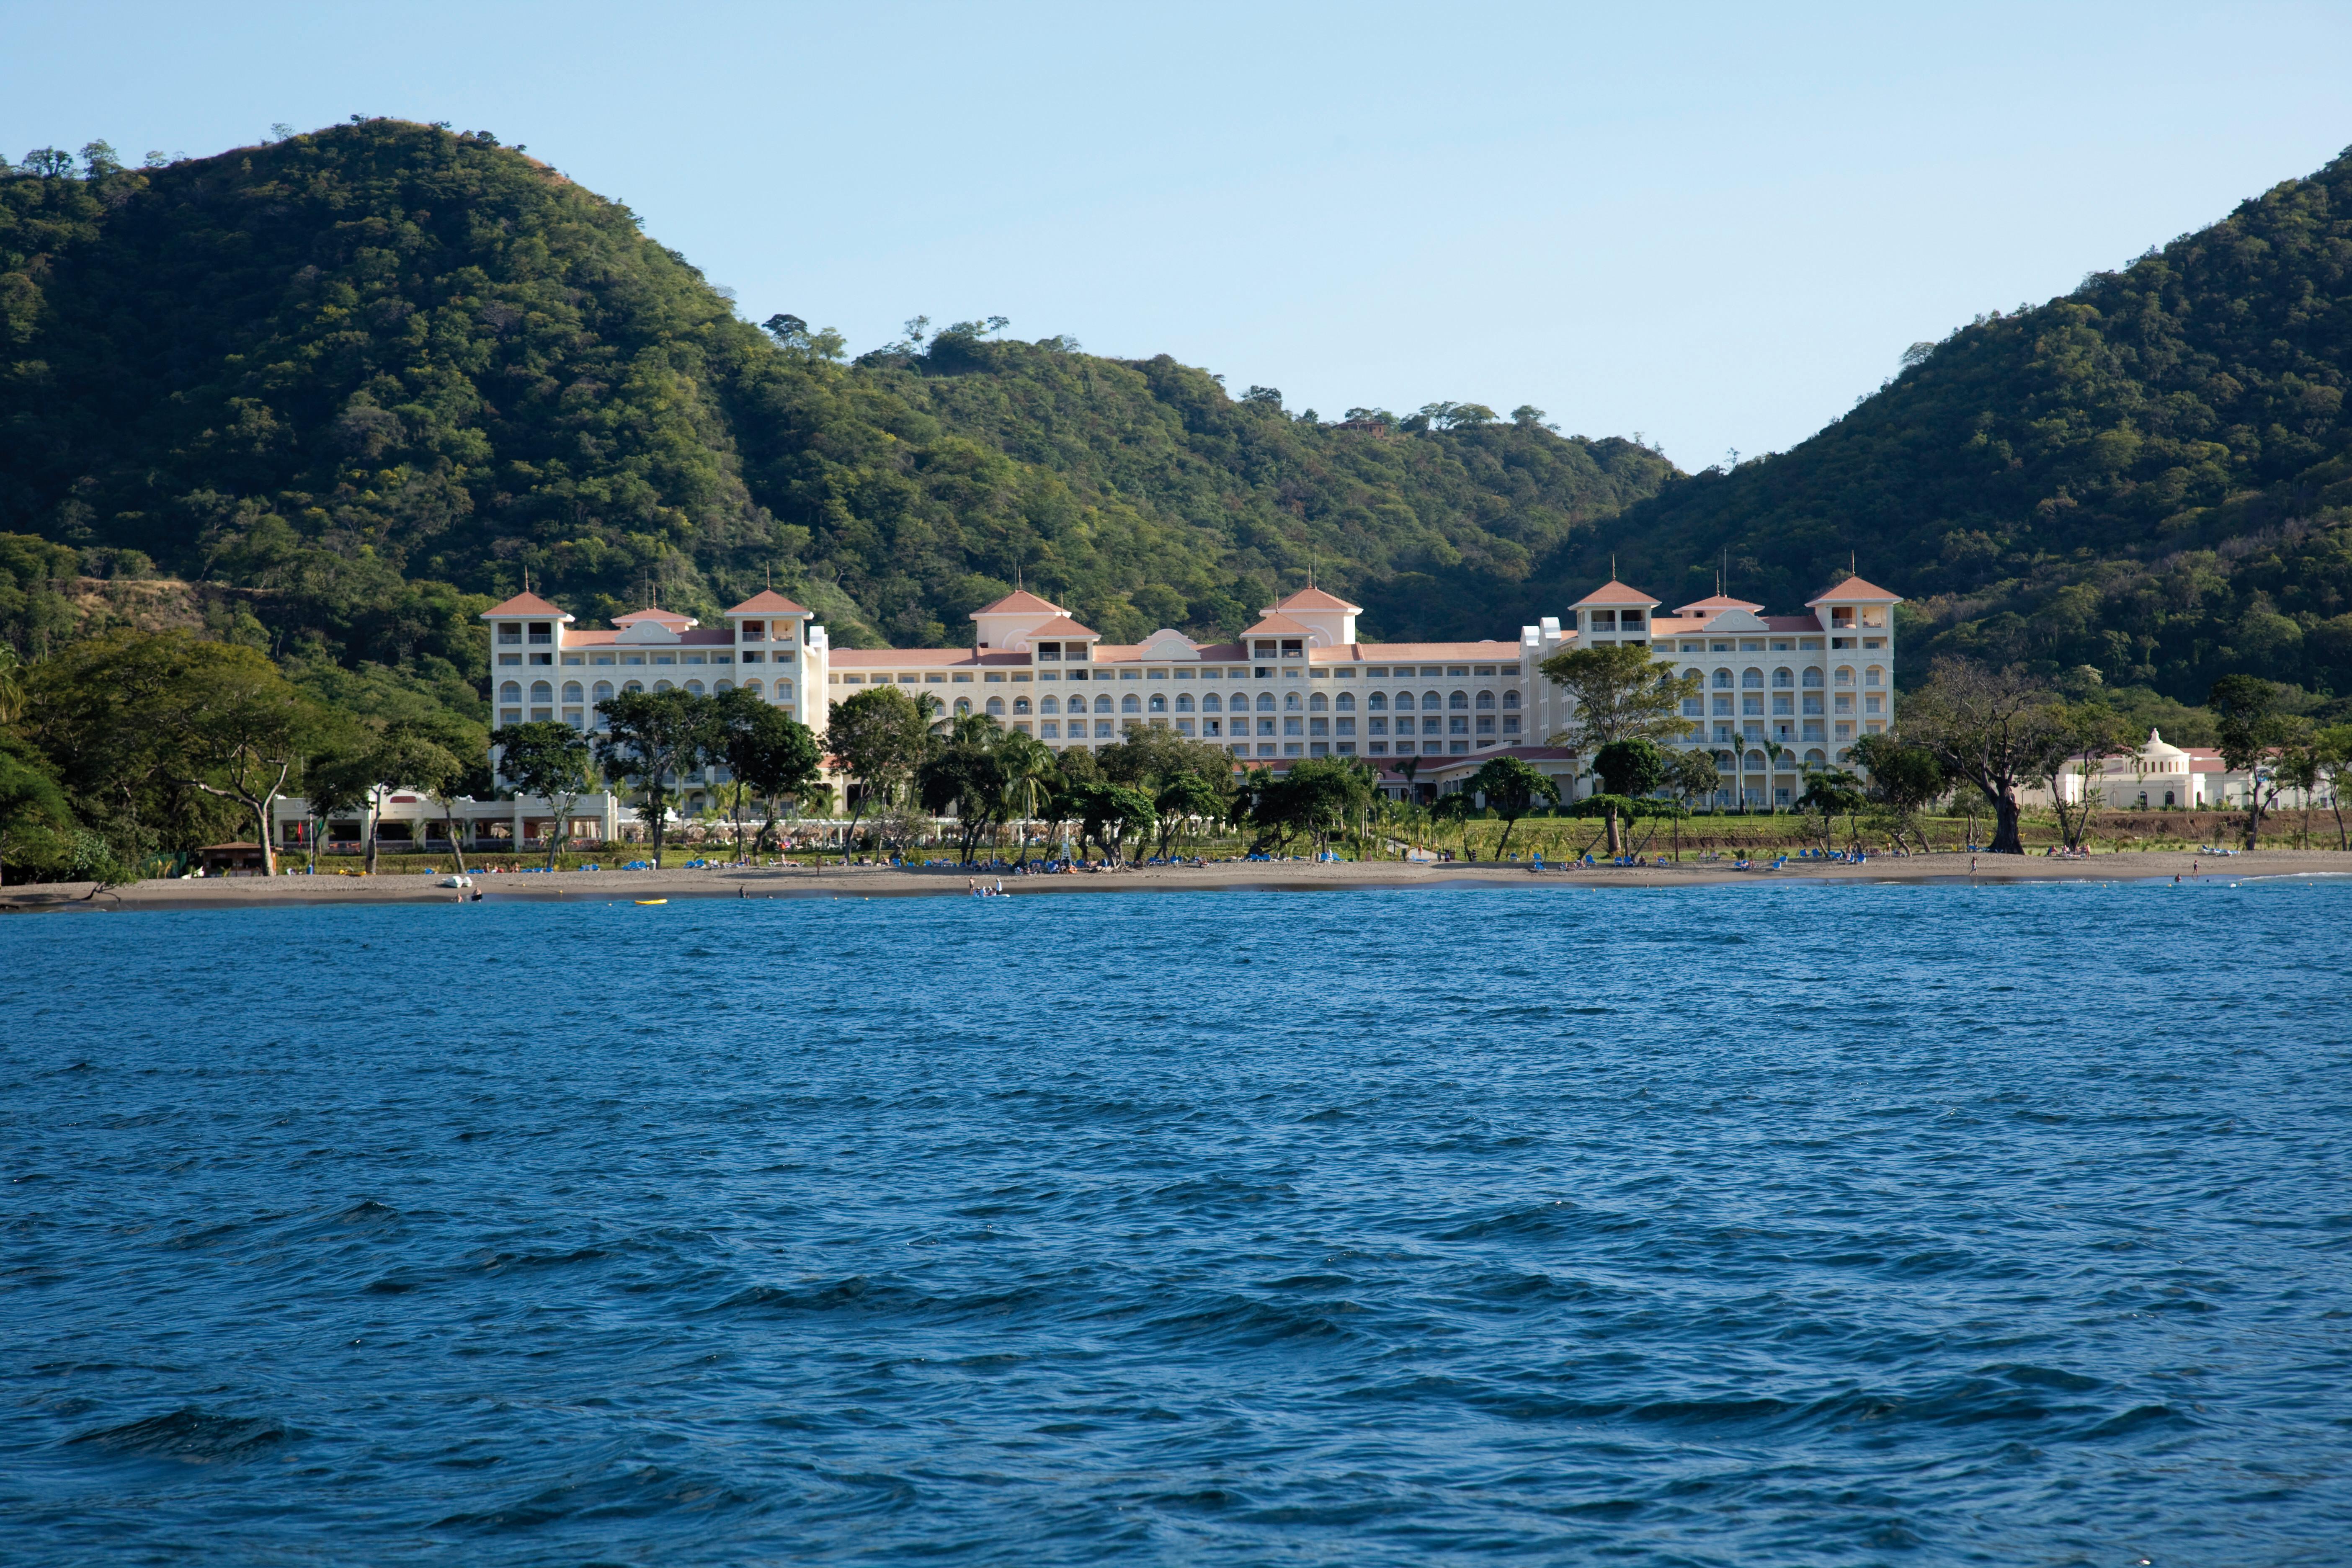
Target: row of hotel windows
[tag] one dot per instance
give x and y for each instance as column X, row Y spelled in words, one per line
column 542, row 691
column 1292, row 701
column 542, row 633
column 1216, row 729
column 574, row 660
column 1238, row 672
column 542, row 698
column 1753, row 706
column 1785, row 678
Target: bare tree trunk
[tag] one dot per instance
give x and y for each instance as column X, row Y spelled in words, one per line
column 2006, row 840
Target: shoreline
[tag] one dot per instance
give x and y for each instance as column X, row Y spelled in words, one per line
column 885, row 881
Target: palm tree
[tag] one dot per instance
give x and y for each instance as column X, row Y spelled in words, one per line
column 1029, row 768
column 1773, row 753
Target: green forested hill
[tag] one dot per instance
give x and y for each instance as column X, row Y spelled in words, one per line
column 380, row 371
column 370, row 376
column 2151, row 476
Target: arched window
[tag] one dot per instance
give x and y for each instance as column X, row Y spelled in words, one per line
column 1346, row 702
column 604, row 691
column 1048, row 705
column 1183, row 702
column 694, row 687
column 1783, row 677
column 1432, row 700
column 1510, row 701
column 1813, row 677
column 1485, row 702
column 1752, row 679
column 963, row 707
column 1459, row 699
column 1698, row 675
column 1209, row 703
column 663, row 686
column 1021, row 705
column 1844, row 676
column 783, row 692
column 1130, row 703
column 1813, row 759
column 754, row 687
column 1870, row 676
column 1159, row 702
column 541, row 691
column 638, row 687
column 722, row 687
column 1290, row 701
column 571, row 692
column 510, row 692
column 1102, row 704
column 1265, row 701
column 996, row 707
column 1722, row 679
column 1378, row 702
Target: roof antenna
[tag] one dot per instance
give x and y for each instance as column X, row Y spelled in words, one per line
column 1613, row 566
column 1852, row 563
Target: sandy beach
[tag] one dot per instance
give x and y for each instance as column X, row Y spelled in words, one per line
column 884, row 881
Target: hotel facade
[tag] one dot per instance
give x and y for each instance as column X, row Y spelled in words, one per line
column 1780, row 693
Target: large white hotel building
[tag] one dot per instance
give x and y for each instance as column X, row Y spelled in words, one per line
column 1298, row 684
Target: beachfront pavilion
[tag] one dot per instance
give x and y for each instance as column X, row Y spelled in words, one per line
column 1781, row 694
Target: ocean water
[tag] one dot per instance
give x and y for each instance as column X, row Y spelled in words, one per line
column 1747, row 1226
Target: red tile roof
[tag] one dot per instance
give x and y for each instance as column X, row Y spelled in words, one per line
column 525, row 605
column 1312, row 599
column 1059, row 626
column 666, row 617
column 1717, row 602
column 1021, row 603
column 1277, row 626
column 767, row 601
column 1613, row 592
column 1856, row 588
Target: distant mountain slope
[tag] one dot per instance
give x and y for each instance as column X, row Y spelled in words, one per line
column 2151, row 476
column 383, row 370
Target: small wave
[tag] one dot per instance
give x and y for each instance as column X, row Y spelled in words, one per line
column 191, row 1436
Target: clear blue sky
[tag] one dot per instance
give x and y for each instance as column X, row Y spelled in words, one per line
column 1715, row 225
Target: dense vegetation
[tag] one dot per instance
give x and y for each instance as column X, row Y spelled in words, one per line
column 2151, row 477
column 378, row 372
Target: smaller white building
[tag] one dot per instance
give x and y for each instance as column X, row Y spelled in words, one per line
column 2158, row 776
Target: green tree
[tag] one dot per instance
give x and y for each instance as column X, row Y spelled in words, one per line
column 1457, row 810
column 654, row 739
column 1110, row 814
column 770, row 754
column 1316, row 798
column 34, row 815
column 1511, row 789
column 550, row 761
column 239, row 732
column 877, row 738
column 2253, row 729
column 2332, row 749
column 1994, row 730
column 1691, row 775
column 1184, row 798
column 966, row 776
column 1904, row 779
column 1030, row 774
column 1627, row 767
column 1832, row 793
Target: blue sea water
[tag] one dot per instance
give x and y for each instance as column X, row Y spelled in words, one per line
column 1746, row 1225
